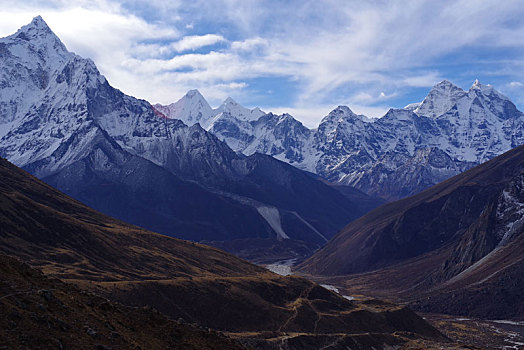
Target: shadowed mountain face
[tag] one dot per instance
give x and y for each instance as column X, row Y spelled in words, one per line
column 462, row 238
column 200, row 284
column 63, row 122
column 142, row 193
column 45, row 227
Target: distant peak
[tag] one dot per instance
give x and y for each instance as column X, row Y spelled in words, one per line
column 36, row 27
column 38, row 21
column 412, row 106
column 286, row 116
column 343, row 110
column 339, row 113
column 486, row 89
column 194, row 93
column 446, row 84
column 230, row 101
column 38, row 33
column 477, row 85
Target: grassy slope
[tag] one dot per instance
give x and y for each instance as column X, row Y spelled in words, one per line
column 68, row 240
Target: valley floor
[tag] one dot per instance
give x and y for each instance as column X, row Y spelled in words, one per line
column 485, row 334
column 465, row 332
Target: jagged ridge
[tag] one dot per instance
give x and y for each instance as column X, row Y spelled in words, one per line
column 402, row 153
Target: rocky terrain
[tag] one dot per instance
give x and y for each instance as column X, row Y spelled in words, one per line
column 400, row 154
column 455, row 248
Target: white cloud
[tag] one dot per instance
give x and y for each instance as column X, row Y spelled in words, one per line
column 216, row 94
column 369, row 98
column 194, row 42
column 249, row 44
column 425, row 80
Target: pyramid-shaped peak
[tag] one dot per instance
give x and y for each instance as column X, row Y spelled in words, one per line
column 51, row 51
column 191, row 100
column 38, row 21
column 36, row 28
column 230, row 101
column 440, row 99
column 339, row 113
column 446, row 85
column 345, row 110
column 194, row 93
column 445, row 82
column 232, row 106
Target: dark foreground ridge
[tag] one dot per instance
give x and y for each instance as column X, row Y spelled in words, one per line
column 187, row 281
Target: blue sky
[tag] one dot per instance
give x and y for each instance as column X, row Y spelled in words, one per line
column 301, row 57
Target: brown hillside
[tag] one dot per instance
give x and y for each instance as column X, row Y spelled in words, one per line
column 183, row 280
column 455, row 247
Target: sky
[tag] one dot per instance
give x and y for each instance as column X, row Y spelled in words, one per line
column 300, row 57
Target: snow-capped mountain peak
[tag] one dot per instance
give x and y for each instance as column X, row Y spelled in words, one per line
column 36, row 28
column 487, row 90
column 339, row 114
column 412, row 106
column 194, row 93
column 192, row 108
column 38, row 34
column 230, row 101
column 343, row 110
column 445, row 85
column 440, row 99
column 31, row 59
column 40, row 38
column 476, row 84
column 236, row 110
column 229, row 105
column 484, row 88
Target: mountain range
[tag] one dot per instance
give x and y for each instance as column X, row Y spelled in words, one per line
column 61, row 120
column 400, row 154
column 455, row 248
